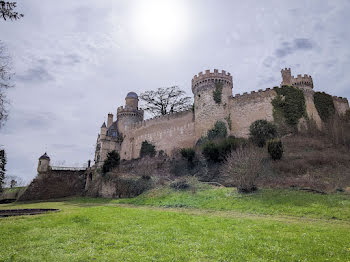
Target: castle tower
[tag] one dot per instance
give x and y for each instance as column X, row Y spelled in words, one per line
column 303, row 82
column 210, row 108
column 110, row 120
column 286, row 77
column 44, row 164
column 103, row 131
column 130, row 113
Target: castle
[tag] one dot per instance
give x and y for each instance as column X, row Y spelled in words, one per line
column 183, row 129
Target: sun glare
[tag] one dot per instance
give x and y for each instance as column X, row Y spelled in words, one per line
column 159, row 25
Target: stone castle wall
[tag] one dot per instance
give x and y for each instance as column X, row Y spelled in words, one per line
column 246, row 108
column 341, row 104
column 55, row 184
column 183, row 129
column 165, row 132
column 179, row 130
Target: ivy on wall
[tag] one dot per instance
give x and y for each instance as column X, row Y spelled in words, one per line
column 324, row 105
column 229, row 122
column 217, row 93
column 289, row 103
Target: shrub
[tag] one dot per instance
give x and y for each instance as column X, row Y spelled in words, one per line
column 211, row 152
column 188, row 153
column 217, row 93
column 217, row 151
column 324, row 105
column 112, row 161
column 242, row 169
column 275, row 149
column 290, row 102
column 261, row 131
column 219, row 131
column 129, row 187
column 147, row 149
column 180, row 185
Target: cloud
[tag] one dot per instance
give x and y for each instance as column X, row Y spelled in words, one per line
column 298, row 44
column 36, row 74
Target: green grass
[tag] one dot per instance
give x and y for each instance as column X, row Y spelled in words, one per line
column 267, row 202
column 99, row 229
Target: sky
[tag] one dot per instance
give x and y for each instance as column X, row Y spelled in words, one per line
column 75, row 61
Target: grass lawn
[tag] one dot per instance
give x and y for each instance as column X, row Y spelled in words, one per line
column 216, row 228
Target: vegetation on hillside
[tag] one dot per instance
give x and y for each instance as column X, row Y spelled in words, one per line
column 324, row 105
column 147, row 149
column 261, row 131
column 112, row 161
column 289, row 106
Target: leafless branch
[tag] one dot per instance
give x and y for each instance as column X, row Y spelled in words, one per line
column 165, row 100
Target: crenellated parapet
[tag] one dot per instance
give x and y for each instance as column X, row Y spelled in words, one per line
column 126, row 112
column 203, row 79
column 340, row 99
column 160, row 119
column 299, row 81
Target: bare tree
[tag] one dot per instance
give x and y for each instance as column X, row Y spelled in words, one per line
column 7, row 11
column 242, row 168
column 13, row 181
column 165, row 100
column 5, row 81
column 2, row 167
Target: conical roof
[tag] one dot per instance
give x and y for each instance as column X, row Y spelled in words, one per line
column 45, row 156
column 104, row 124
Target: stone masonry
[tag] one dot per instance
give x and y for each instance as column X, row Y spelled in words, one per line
column 183, row 129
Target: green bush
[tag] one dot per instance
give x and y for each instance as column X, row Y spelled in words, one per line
column 275, row 149
column 219, row 131
column 290, row 102
column 112, row 161
column 147, row 149
column 211, row 152
column 188, row 153
column 217, row 151
column 324, row 105
column 261, row 131
column 217, row 93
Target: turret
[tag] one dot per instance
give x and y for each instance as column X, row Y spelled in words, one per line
column 303, row 82
column 129, row 114
column 44, row 164
column 103, row 131
column 110, row 120
column 131, row 101
column 212, row 91
column 286, row 77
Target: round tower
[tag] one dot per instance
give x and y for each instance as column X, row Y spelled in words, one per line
column 130, row 113
column 44, row 164
column 212, row 91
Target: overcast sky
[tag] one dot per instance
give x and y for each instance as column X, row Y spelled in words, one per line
column 75, row 61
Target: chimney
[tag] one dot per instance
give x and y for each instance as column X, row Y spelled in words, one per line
column 110, row 120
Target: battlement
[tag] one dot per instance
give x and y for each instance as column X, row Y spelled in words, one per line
column 159, row 119
column 340, row 99
column 286, row 70
column 211, row 77
column 125, row 111
column 300, row 80
column 260, row 92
